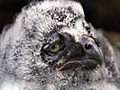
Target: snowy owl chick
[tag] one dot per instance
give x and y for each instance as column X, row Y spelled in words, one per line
column 50, row 46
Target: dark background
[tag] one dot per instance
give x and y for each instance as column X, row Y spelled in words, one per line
column 101, row 13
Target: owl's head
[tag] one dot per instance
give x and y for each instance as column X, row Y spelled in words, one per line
column 66, row 39
column 69, row 44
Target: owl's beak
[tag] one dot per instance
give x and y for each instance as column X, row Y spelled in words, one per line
column 93, row 51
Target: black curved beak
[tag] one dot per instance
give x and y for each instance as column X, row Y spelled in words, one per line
column 92, row 50
column 95, row 53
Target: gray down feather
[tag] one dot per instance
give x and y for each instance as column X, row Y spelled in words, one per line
column 21, row 64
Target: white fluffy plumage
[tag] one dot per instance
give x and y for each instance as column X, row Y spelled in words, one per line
column 21, row 65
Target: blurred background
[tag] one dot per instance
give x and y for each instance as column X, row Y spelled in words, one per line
column 103, row 14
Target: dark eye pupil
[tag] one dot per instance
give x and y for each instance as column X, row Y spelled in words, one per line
column 53, row 47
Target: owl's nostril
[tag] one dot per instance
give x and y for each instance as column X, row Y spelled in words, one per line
column 88, row 46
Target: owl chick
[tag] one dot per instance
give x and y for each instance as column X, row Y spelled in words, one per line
column 50, row 46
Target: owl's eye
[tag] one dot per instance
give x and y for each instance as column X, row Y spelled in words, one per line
column 55, row 48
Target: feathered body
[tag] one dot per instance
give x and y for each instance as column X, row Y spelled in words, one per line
column 21, row 64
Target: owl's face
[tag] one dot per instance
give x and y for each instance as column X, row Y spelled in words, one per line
column 68, row 48
column 69, row 44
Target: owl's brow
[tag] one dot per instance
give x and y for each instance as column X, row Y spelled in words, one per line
column 54, row 29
